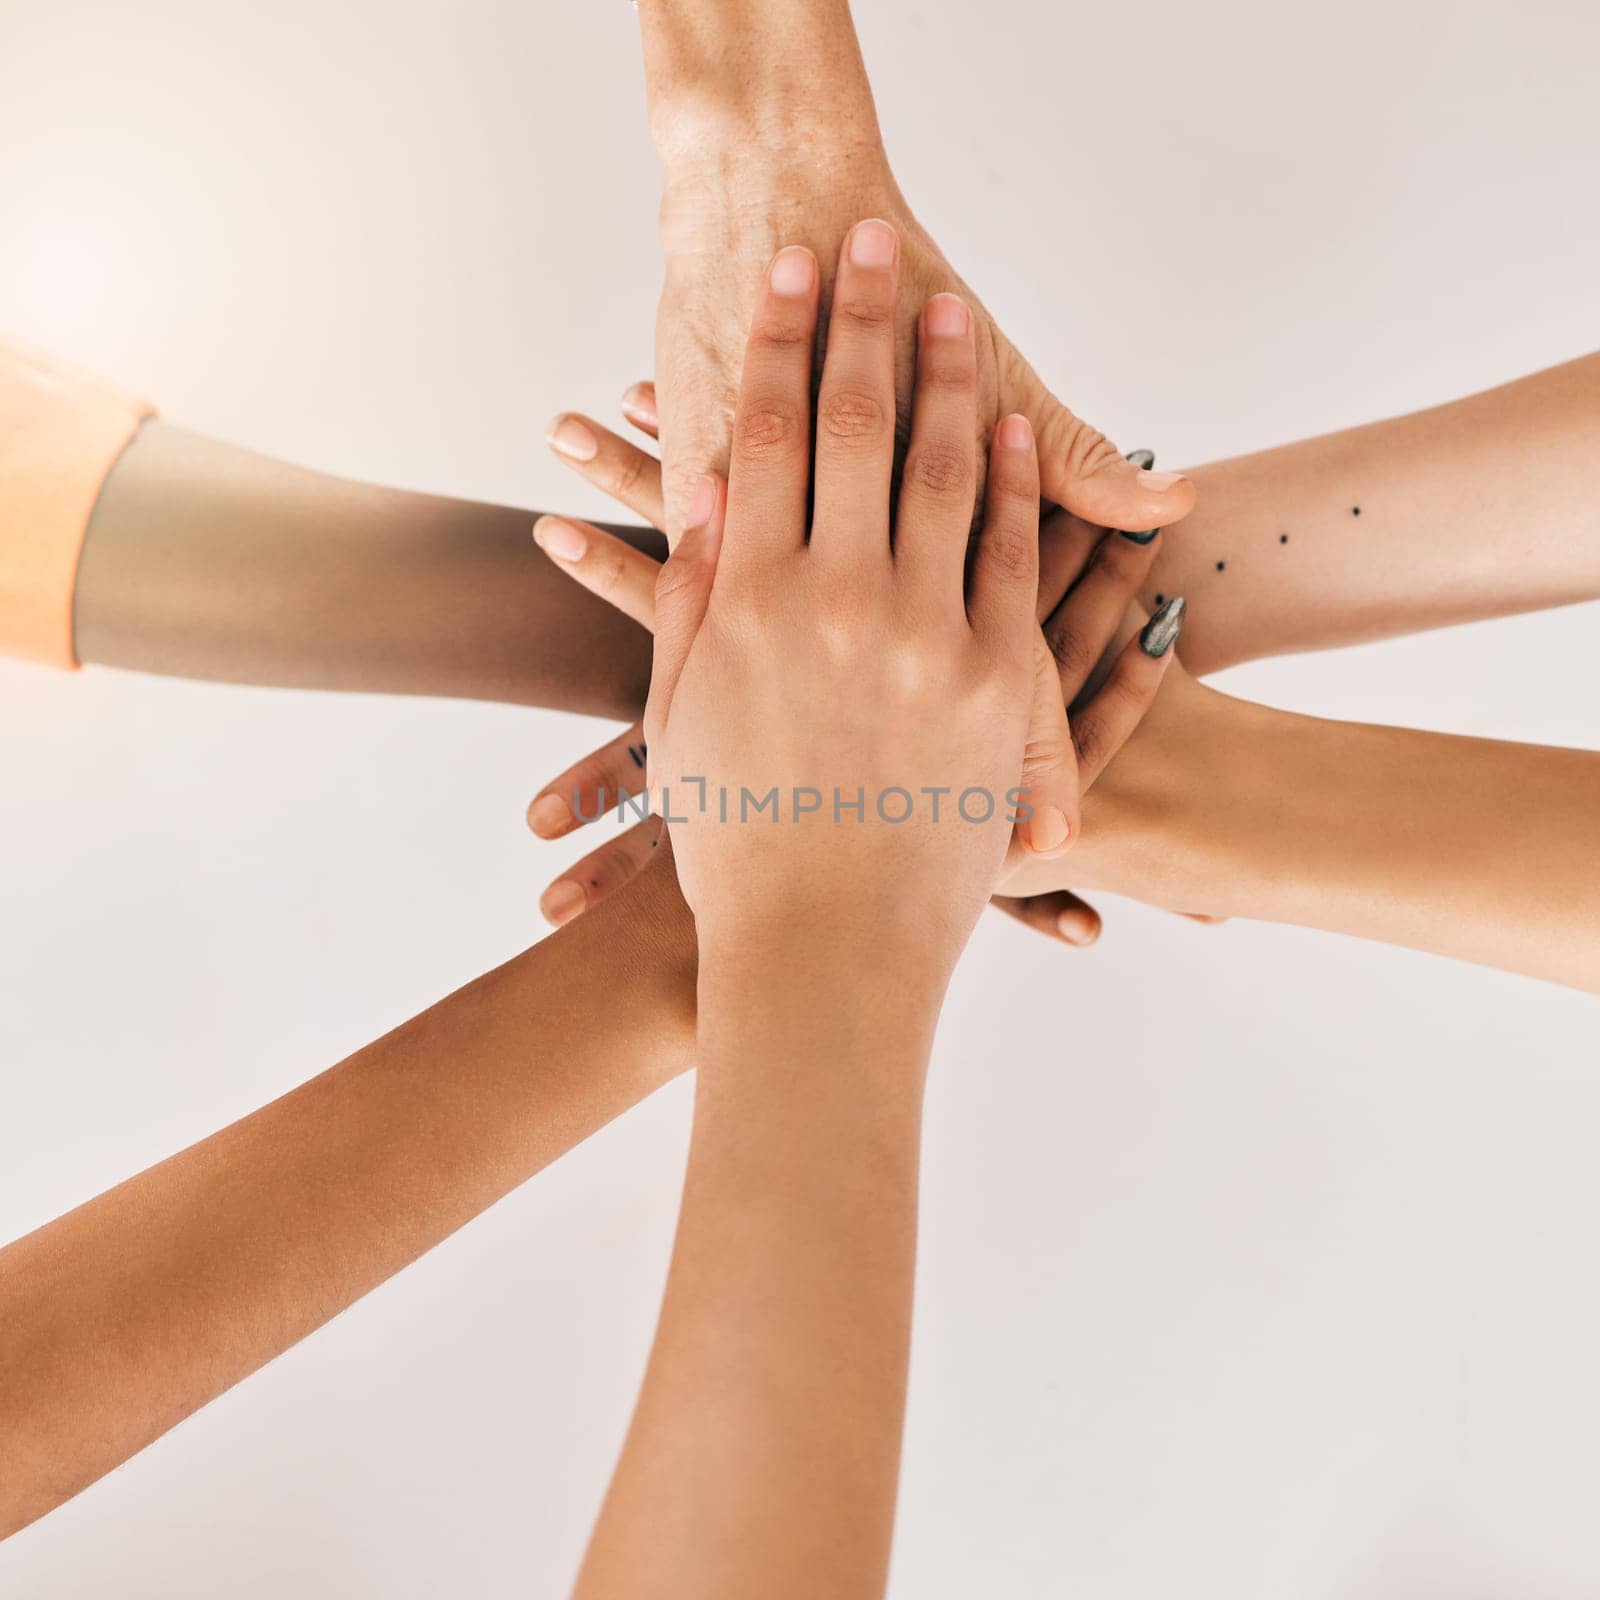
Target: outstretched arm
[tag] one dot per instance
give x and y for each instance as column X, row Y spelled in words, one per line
column 764, row 122
column 1480, row 508
column 131, row 543
column 124, row 1316
column 1466, row 847
column 205, row 560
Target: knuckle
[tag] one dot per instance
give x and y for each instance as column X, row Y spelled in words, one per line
column 1121, row 561
column 864, row 313
column 940, row 467
column 784, row 333
column 626, row 471
column 851, row 416
column 1089, row 740
column 1011, row 549
column 767, row 429
column 1041, row 754
column 1070, row 651
column 678, row 574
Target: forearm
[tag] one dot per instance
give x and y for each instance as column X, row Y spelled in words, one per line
column 204, row 560
column 1479, row 508
column 764, row 1452
column 1472, row 848
column 728, row 80
column 124, row 1316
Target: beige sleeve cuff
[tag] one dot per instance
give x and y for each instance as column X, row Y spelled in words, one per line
column 61, row 432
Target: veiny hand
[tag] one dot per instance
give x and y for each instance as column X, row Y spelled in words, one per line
column 718, row 231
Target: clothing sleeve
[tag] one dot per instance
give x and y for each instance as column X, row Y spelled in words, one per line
column 61, row 432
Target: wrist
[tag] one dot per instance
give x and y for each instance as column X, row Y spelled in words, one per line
column 1202, row 818
column 745, row 100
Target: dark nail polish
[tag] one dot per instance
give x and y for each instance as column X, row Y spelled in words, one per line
column 1162, row 630
column 1143, row 460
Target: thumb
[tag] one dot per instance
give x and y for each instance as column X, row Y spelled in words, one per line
column 683, row 590
column 1047, row 812
column 1081, row 470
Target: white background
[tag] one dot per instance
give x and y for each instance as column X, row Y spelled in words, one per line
column 1255, row 1262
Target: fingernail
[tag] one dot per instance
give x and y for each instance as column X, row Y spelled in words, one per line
column 794, row 270
column 549, row 816
column 1162, row 630
column 559, row 538
column 562, row 901
column 570, row 438
column 873, row 244
column 639, row 401
column 1160, row 481
column 705, row 497
column 946, row 316
column 1015, row 433
column 1078, row 926
column 1047, row 832
column 1143, row 460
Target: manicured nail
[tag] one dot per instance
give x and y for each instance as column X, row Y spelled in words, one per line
column 1162, row 630
column 562, row 901
column 705, row 497
column 549, row 816
column 1014, row 433
column 794, row 270
column 873, row 244
column 1078, row 925
column 946, row 316
column 560, row 539
column 570, row 438
column 1047, row 831
column 1143, row 460
column 639, row 404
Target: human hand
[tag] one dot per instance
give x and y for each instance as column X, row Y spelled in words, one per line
column 1086, row 581
column 851, row 682
column 721, row 223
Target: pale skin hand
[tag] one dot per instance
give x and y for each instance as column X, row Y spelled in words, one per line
column 765, row 126
column 764, row 1452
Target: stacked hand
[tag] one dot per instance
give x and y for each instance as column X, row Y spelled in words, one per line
column 1086, row 582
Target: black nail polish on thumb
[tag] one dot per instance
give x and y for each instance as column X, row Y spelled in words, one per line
column 1143, row 460
column 1162, row 630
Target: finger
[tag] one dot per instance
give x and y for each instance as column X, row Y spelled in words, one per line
column 1082, row 470
column 639, row 407
column 591, row 787
column 600, row 873
column 855, row 403
column 1104, row 725
column 1047, row 811
column 770, row 471
column 1058, row 915
column 604, row 564
column 1081, row 628
column 610, row 462
column 683, row 590
column 1005, row 569
column 1066, row 544
column 934, row 514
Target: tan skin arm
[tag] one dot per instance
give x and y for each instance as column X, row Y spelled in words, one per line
column 205, row 560
column 122, row 1317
